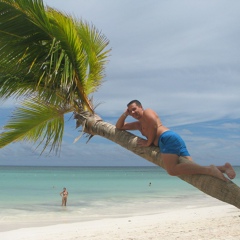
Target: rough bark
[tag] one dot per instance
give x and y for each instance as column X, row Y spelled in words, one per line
column 227, row 192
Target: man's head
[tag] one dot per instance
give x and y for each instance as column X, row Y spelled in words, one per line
column 135, row 109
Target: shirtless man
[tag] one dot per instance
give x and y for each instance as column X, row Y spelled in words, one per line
column 170, row 143
column 64, row 195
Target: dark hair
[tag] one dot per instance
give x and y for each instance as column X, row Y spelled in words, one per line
column 135, row 101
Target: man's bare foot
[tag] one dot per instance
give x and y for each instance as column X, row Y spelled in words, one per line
column 228, row 169
column 217, row 173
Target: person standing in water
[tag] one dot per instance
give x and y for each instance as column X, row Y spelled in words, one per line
column 64, row 195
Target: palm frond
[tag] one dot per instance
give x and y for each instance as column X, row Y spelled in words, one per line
column 94, row 44
column 36, row 122
column 50, row 60
column 21, row 46
column 41, row 48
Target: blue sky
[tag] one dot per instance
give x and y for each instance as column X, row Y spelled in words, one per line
column 180, row 58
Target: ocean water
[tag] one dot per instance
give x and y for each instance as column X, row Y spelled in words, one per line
column 30, row 196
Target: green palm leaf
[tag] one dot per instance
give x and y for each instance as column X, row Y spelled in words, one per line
column 35, row 122
column 53, row 51
column 53, row 62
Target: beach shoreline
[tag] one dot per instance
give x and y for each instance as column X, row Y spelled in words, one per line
column 209, row 222
column 110, row 203
column 31, row 217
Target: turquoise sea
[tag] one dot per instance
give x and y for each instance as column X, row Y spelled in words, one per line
column 30, row 195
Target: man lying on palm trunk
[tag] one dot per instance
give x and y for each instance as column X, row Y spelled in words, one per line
column 170, row 143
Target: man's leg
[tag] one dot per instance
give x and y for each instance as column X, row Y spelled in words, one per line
column 174, row 168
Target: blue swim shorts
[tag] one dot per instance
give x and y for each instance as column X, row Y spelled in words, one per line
column 171, row 142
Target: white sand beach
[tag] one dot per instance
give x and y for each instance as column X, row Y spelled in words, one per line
column 213, row 222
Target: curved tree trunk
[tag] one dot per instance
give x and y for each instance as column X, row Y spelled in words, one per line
column 227, row 192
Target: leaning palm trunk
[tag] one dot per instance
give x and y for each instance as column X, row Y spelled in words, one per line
column 227, row 192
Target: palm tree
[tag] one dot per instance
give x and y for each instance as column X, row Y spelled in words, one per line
column 52, row 63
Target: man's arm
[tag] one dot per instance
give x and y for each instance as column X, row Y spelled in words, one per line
column 121, row 124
